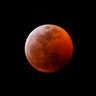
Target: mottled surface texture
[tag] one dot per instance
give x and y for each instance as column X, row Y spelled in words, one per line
column 48, row 48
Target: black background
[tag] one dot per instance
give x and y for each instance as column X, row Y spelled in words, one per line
column 20, row 21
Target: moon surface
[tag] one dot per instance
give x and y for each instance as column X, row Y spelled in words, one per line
column 48, row 48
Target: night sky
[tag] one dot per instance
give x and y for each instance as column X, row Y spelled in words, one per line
column 22, row 22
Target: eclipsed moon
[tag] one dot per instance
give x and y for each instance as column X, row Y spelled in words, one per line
column 48, row 48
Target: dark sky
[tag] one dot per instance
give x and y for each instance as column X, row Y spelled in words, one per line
column 22, row 22
column 18, row 19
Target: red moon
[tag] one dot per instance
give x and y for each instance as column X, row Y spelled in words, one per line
column 48, row 48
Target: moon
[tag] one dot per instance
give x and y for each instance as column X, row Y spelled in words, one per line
column 48, row 48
